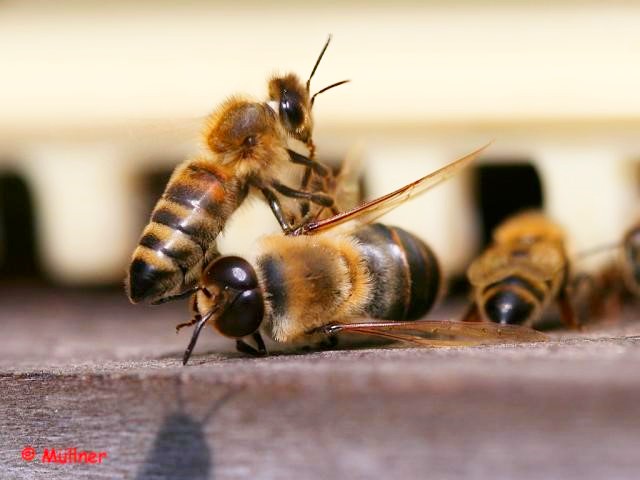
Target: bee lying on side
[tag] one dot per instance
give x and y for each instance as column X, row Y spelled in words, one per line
column 317, row 283
column 525, row 269
column 250, row 147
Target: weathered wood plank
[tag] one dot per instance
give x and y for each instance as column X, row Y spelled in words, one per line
column 566, row 409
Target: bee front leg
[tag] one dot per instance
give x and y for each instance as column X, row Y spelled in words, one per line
column 277, row 210
column 244, row 347
column 194, row 320
column 262, row 349
column 321, row 199
column 311, row 164
column 304, row 206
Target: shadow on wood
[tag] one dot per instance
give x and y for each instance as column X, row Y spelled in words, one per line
column 180, row 449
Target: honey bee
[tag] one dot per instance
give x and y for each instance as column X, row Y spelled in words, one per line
column 318, row 282
column 631, row 259
column 250, row 147
column 525, row 269
column 620, row 276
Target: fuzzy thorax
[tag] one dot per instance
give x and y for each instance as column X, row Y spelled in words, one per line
column 310, row 282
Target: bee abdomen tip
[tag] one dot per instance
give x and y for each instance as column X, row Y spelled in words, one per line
column 145, row 281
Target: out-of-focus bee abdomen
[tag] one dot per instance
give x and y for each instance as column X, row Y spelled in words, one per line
column 514, row 299
column 192, row 211
column 405, row 273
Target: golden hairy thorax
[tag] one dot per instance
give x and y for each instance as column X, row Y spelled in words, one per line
column 323, row 278
column 528, row 227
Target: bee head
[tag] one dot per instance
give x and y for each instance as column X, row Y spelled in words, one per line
column 229, row 298
column 230, row 290
column 291, row 99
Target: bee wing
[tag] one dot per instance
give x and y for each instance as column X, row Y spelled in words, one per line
column 369, row 211
column 439, row 333
column 347, row 191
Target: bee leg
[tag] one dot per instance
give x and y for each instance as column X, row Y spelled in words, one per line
column 304, row 206
column 194, row 320
column 329, row 343
column 244, row 347
column 321, row 199
column 567, row 312
column 277, row 210
column 472, row 314
column 311, row 164
column 262, row 349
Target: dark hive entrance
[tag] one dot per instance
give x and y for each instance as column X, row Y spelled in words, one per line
column 18, row 249
column 504, row 189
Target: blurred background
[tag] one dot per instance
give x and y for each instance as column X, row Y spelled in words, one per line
column 100, row 100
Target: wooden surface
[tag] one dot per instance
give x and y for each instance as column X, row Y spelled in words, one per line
column 92, row 372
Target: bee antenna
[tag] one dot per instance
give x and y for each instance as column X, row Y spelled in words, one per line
column 324, row 49
column 194, row 337
column 328, row 88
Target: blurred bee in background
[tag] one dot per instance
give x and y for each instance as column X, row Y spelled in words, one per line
column 250, row 147
column 631, row 259
column 318, row 282
column 525, row 269
column 606, row 290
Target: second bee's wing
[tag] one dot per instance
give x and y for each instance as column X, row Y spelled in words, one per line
column 441, row 333
column 373, row 209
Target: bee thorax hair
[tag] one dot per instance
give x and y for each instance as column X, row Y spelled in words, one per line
column 309, row 282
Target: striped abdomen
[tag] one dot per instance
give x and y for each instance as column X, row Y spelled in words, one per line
column 180, row 237
column 516, row 299
column 405, row 275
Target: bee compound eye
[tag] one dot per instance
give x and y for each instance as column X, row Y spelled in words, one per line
column 291, row 110
column 232, row 272
column 242, row 316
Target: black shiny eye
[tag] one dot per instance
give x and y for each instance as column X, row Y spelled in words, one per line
column 243, row 315
column 291, row 110
column 232, row 272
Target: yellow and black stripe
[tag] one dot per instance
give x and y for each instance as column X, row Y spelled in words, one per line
column 192, row 211
column 405, row 273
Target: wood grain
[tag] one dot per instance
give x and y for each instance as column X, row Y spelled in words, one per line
column 565, row 409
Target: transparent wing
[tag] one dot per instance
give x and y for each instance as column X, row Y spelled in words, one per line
column 347, row 192
column 370, row 211
column 438, row 333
